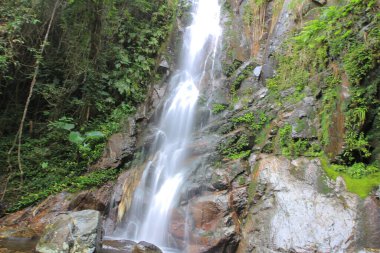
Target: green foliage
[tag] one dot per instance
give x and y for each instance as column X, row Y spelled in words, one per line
column 361, row 186
column 329, row 100
column 97, row 67
column 244, row 74
column 229, row 69
column 294, row 147
column 218, row 108
column 343, row 43
column 58, row 160
column 86, row 181
column 358, row 62
column 290, row 73
column 235, row 147
column 357, row 170
column 249, row 119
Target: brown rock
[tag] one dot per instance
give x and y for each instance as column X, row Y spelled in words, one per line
column 31, row 221
column 95, row 199
column 119, row 147
column 205, row 215
column 178, row 224
column 145, row 247
column 370, row 224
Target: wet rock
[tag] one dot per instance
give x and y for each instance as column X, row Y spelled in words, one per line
column 287, row 92
column 72, row 232
column 257, row 71
column 206, row 214
column 164, row 67
column 293, row 215
column 261, row 93
column 178, row 225
column 369, row 222
column 320, row 2
column 30, row 222
column 301, row 118
column 119, row 146
column 239, row 198
column 96, row 199
column 224, row 240
column 145, row 247
column 212, row 225
column 377, row 193
column 110, row 245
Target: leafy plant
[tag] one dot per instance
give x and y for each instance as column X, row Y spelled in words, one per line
column 218, row 108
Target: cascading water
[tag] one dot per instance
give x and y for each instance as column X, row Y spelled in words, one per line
column 158, row 192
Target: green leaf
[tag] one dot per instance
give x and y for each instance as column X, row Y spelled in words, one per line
column 94, row 135
column 44, row 165
column 67, row 126
column 76, row 137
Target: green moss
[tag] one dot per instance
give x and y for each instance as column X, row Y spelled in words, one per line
column 240, row 155
column 362, row 186
column 241, row 180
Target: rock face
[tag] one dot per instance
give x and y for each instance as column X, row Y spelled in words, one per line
column 72, row 232
column 297, row 210
column 30, row 223
column 119, row 147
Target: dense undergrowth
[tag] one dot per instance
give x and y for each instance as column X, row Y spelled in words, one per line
column 99, row 61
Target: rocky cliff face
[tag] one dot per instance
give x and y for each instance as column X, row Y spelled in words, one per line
column 245, row 194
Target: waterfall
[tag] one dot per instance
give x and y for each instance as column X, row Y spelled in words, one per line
column 158, row 192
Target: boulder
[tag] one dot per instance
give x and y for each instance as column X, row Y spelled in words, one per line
column 111, row 245
column 145, row 247
column 298, row 210
column 31, row 221
column 119, row 146
column 72, row 232
column 95, row 199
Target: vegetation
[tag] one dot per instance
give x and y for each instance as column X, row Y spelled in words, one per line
column 218, row 108
column 244, row 74
column 249, row 119
column 98, row 61
column 235, row 147
column 361, row 186
column 336, row 57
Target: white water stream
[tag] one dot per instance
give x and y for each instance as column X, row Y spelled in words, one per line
column 158, row 192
